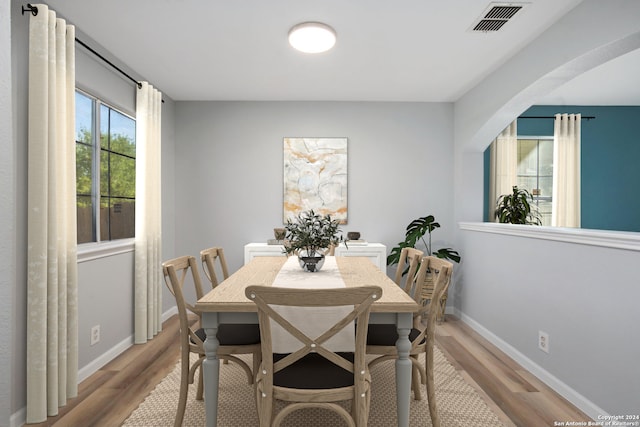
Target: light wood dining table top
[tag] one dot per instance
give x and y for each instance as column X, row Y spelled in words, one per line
column 229, row 296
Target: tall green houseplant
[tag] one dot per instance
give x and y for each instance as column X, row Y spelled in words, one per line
column 416, row 231
column 517, row 208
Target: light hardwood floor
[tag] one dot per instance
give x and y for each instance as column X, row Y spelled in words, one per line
column 517, row 397
column 514, row 394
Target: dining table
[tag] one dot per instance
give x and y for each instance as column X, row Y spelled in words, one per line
column 227, row 303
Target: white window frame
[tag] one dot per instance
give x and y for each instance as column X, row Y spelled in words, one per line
column 94, row 250
column 536, row 198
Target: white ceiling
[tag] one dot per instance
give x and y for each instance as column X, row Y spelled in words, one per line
column 409, row 50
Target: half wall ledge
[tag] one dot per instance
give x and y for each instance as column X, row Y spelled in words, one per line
column 609, row 239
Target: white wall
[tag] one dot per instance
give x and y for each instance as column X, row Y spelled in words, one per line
column 229, row 161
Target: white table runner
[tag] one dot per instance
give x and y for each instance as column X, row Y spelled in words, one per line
column 312, row 321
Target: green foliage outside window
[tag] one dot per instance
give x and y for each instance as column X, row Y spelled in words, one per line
column 117, row 172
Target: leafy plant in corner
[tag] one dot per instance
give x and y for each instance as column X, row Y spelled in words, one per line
column 517, row 208
column 311, row 232
column 416, row 231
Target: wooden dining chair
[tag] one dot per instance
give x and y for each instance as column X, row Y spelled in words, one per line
column 314, row 375
column 428, row 290
column 213, row 259
column 233, row 339
column 381, row 339
column 407, row 267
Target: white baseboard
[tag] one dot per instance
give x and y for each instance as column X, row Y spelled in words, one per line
column 576, row 399
column 19, row 418
column 93, row 367
column 167, row 314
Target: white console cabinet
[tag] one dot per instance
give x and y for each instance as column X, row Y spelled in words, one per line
column 252, row 250
column 376, row 252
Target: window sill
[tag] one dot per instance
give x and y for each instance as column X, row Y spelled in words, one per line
column 92, row 251
column 609, row 239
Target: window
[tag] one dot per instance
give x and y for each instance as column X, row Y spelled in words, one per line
column 105, row 171
column 535, row 172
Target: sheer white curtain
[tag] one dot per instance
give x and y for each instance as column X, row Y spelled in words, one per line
column 566, row 171
column 52, row 312
column 504, row 165
column 148, row 246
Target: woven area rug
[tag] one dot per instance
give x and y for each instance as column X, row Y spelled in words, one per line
column 458, row 403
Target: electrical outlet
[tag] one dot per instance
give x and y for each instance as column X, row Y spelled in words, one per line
column 543, row 341
column 95, row 334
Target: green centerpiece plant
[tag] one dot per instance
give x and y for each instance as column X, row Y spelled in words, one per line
column 309, row 235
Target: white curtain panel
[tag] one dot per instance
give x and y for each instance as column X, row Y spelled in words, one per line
column 52, row 311
column 566, row 171
column 148, row 246
column 504, row 164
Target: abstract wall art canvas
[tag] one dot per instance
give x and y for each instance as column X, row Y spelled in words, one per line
column 315, row 177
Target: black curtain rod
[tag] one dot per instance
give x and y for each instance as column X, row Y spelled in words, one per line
column 553, row 117
column 34, row 12
column 30, row 8
column 108, row 62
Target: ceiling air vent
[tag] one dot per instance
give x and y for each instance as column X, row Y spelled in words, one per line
column 496, row 15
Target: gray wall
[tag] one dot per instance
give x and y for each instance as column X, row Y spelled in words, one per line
column 583, row 296
column 510, row 287
column 19, row 76
column 222, row 184
column 229, row 163
column 105, row 287
column 7, row 218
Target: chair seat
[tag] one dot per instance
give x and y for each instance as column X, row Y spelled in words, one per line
column 235, row 334
column 313, row 372
column 387, row 335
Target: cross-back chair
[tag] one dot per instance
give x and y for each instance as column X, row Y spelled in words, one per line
column 407, row 267
column 381, row 339
column 428, row 291
column 234, row 339
column 211, row 258
column 314, row 375
column 214, row 264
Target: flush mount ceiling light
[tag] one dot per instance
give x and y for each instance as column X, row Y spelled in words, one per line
column 312, row 37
